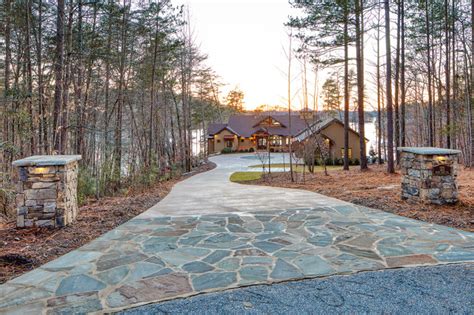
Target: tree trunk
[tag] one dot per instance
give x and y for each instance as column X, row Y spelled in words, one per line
column 447, row 74
column 390, row 162
column 360, row 82
column 43, row 132
column 80, row 81
column 120, row 101
column 453, row 55
column 32, row 121
column 397, row 86
column 430, row 95
column 5, row 157
column 379, row 110
column 289, row 106
column 152, row 99
column 107, row 83
column 346, row 86
column 64, row 126
column 58, row 73
column 471, row 121
column 402, row 78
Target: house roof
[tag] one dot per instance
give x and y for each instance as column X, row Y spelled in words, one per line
column 215, row 128
column 246, row 125
column 321, row 125
column 218, row 127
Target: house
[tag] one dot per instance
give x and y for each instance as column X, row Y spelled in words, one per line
column 332, row 130
column 274, row 130
column 262, row 131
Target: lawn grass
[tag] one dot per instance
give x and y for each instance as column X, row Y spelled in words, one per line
column 298, row 168
column 239, row 177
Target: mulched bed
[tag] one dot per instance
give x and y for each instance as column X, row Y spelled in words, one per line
column 377, row 189
column 22, row 250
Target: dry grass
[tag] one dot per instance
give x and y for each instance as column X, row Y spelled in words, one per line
column 377, row 189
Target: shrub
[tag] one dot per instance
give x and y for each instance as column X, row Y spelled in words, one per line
column 226, row 150
column 86, row 186
column 251, row 150
column 329, row 161
column 7, row 202
column 355, row 162
column 338, row 161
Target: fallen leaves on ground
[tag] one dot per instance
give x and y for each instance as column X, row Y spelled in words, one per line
column 378, row 189
column 22, row 250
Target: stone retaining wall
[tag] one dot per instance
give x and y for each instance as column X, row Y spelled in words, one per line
column 46, row 195
column 432, row 178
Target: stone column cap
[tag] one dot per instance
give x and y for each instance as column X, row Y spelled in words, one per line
column 47, row 160
column 429, row 151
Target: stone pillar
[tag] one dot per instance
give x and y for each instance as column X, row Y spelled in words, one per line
column 429, row 174
column 47, row 190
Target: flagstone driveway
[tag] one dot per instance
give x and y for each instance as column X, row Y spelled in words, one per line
column 209, row 234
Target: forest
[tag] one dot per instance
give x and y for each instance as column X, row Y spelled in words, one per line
column 124, row 84
column 422, row 88
column 121, row 83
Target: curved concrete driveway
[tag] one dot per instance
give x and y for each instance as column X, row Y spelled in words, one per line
column 212, row 192
column 209, row 235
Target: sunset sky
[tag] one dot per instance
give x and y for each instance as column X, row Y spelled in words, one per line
column 246, row 42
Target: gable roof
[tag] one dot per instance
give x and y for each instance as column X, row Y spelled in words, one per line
column 247, row 125
column 321, row 125
column 265, row 118
column 215, row 128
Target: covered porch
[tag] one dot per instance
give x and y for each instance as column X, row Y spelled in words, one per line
column 267, row 142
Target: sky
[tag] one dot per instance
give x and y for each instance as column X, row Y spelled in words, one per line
column 245, row 41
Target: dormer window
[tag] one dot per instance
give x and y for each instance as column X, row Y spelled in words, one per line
column 270, row 122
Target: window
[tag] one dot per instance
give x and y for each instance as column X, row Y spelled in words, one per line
column 242, row 140
column 270, row 122
column 229, row 143
column 349, row 151
column 218, row 141
column 276, row 140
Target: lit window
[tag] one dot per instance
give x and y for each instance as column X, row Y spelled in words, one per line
column 270, row 122
column 276, row 140
column 349, row 151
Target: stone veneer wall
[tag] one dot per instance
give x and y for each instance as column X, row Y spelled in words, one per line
column 47, row 195
column 420, row 180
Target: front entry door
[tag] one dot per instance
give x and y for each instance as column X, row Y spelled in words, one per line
column 261, row 143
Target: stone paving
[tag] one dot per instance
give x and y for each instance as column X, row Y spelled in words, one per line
column 157, row 257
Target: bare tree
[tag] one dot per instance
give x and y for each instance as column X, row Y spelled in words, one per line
column 346, row 86
column 360, row 79
column 58, row 72
column 289, row 106
column 388, row 91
